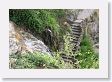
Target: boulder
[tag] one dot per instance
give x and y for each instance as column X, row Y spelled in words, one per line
column 21, row 41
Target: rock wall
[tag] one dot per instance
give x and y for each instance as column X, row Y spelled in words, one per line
column 21, row 41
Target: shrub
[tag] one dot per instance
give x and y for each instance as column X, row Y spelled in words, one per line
column 67, row 45
column 37, row 19
column 36, row 60
column 86, row 56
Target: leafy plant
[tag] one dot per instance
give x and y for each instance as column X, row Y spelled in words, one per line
column 86, row 56
column 36, row 60
column 67, row 45
column 37, row 19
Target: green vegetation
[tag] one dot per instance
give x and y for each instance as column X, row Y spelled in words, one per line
column 37, row 20
column 67, row 45
column 36, row 60
column 86, row 56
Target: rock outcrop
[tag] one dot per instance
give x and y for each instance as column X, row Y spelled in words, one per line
column 87, row 20
column 21, row 41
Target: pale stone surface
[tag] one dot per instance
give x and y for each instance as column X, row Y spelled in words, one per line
column 22, row 42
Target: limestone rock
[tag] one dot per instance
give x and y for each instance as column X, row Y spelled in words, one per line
column 21, row 41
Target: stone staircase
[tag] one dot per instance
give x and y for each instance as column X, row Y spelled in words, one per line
column 76, row 34
column 77, row 30
column 78, row 26
column 70, row 59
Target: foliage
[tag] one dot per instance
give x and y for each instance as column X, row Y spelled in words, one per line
column 67, row 45
column 37, row 19
column 36, row 60
column 86, row 56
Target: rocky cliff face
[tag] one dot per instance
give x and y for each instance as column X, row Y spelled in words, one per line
column 21, row 41
column 88, row 22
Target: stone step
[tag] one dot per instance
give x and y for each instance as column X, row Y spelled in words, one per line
column 64, row 55
column 76, row 33
column 77, row 44
column 76, row 36
column 75, row 39
column 75, row 47
column 77, row 25
column 68, row 58
column 74, row 27
column 79, row 30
